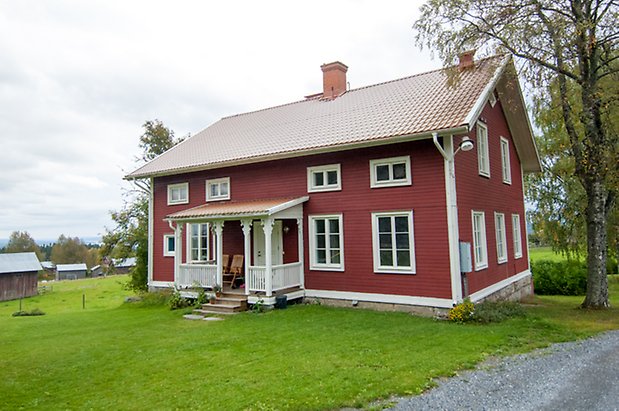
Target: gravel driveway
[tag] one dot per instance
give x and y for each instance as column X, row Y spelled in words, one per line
column 581, row 375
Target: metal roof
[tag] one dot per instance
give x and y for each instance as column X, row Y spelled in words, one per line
column 445, row 99
column 71, row 267
column 236, row 209
column 19, row 263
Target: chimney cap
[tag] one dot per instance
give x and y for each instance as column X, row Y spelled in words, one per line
column 333, row 66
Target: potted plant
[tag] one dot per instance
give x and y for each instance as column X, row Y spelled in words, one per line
column 217, row 290
column 212, row 298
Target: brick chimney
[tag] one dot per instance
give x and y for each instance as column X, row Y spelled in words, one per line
column 333, row 79
column 466, row 60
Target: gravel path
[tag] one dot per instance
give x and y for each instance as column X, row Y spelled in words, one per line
column 581, row 375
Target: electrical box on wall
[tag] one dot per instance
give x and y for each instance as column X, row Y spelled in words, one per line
column 466, row 260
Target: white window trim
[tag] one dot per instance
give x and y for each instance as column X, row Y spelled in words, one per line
column 174, row 186
column 188, row 242
column 217, row 181
column 312, row 237
column 390, row 161
column 492, row 99
column 501, row 237
column 483, row 151
column 166, row 250
column 517, row 233
column 411, row 243
column 311, row 188
column 506, row 169
column 484, row 244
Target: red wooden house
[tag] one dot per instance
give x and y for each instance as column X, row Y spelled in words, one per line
column 383, row 194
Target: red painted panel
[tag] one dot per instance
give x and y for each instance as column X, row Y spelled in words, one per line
column 356, row 201
column 475, row 192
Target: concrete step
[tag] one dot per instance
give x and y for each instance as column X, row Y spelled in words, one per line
column 224, row 307
column 210, row 311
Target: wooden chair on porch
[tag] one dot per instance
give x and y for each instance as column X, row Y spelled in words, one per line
column 225, row 263
column 235, row 272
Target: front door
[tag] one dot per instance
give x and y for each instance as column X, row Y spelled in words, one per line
column 276, row 244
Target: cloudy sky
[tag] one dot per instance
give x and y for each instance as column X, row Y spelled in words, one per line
column 79, row 78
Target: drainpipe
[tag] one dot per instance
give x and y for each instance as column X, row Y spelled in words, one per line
column 452, row 215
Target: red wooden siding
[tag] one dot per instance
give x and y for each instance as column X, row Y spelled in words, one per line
column 356, row 201
column 491, row 195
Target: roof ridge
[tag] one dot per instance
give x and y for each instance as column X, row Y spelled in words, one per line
column 317, row 96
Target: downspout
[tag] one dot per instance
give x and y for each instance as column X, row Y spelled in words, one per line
column 452, row 215
column 151, row 201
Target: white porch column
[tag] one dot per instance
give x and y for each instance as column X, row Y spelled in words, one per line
column 267, row 225
column 178, row 250
column 301, row 255
column 218, row 227
column 246, row 224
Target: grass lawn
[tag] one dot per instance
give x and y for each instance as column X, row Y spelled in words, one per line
column 115, row 355
column 544, row 253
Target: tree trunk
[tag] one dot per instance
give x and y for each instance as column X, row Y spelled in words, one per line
column 597, row 283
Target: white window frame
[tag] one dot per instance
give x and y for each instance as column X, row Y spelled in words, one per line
column 501, row 237
column 483, row 152
column 218, row 182
column 378, row 268
column 166, row 250
column 182, row 186
column 190, row 247
column 312, row 188
column 374, row 183
column 505, row 162
column 517, row 233
column 479, row 241
column 328, row 266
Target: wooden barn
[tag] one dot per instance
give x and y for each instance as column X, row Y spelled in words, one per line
column 71, row 271
column 406, row 194
column 18, row 275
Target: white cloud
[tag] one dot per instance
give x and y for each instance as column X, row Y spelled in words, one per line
column 78, row 79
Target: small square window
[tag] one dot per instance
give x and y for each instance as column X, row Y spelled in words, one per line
column 218, row 189
column 178, row 193
column 168, row 245
column 324, row 178
column 390, row 172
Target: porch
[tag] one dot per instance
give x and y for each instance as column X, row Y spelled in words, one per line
column 265, row 226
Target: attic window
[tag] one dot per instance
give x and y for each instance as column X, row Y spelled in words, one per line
column 218, row 189
column 178, row 193
column 390, row 172
column 324, row 178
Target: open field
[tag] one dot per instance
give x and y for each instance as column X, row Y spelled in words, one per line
column 544, row 253
column 115, row 355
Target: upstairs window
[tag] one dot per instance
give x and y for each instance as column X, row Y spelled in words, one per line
column 393, row 242
column 505, row 164
column 326, row 243
column 324, row 178
column 501, row 237
column 178, row 193
column 218, row 189
column 390, row 172
column 480, row 248
column 198, row 240
column 168, row 245
column 483, row 157
column 517, row 236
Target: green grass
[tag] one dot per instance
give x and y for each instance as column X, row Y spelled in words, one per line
column 113, row 355
column 544, row 253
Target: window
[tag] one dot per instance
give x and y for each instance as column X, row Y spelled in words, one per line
column 327, row 242
column 198, row 240
column 517, row 236
column 480, row 250
column 501, row 237
column 218, row 189
column 483, row 158
column 390, row 172
column 505, row 165
column 168, row 245
column 393, row 242
column 324, row 178
column 178, row 193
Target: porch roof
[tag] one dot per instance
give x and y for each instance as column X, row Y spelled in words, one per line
column 232, row 210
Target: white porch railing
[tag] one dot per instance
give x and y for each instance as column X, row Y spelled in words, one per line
column 203, row 274
column 284, row 276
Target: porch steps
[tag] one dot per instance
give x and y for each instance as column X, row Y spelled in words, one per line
column 228, row 303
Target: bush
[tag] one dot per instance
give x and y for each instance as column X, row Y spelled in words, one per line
column 567, row 277
column 462, row 312
column 497, row 311
column 177, row 301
